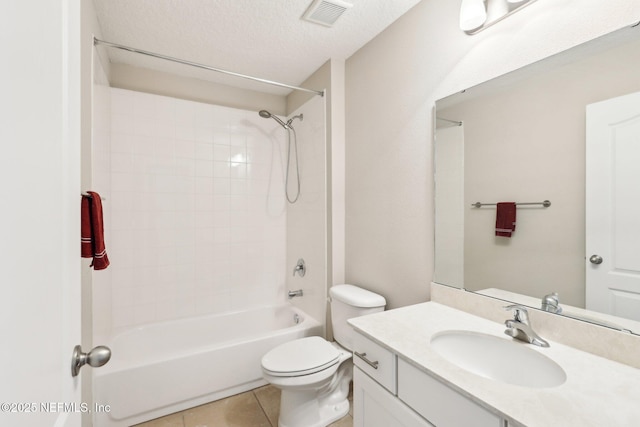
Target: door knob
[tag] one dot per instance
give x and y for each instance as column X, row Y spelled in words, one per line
column 97, row 357
column 595, row 259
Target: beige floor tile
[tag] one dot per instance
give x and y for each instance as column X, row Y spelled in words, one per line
column 269, row 398
column 242, row 410
column 173, row 420
column 346, row 421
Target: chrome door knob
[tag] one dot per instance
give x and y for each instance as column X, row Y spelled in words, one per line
column 595, row 259
column 97, row 357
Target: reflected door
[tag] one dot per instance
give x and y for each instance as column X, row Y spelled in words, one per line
column 613, row 206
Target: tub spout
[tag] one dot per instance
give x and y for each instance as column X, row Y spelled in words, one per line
column 292, row 294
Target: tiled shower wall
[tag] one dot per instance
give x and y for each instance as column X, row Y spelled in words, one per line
column 198, row 223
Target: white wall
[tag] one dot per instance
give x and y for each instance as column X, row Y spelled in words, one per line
column 197, row 209
column 330, row 77
column 307, row 218
column 391, row 86
column 160, row 83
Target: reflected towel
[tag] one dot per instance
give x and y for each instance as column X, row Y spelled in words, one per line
column 92, row 231
column 505, row 219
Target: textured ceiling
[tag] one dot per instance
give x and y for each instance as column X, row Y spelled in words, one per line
column 262, row 38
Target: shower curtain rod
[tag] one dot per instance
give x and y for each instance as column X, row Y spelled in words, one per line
column 97, row 41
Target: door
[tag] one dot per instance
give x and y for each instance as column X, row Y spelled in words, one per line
column 613, row 206
column 374, row 406
column 39, row 193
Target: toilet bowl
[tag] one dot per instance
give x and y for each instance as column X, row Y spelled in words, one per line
column 313, row 373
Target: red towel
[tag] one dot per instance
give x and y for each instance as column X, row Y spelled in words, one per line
column 505, row 219
column 92, row 231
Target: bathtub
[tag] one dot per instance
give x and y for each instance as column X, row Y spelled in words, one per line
column 166, row 367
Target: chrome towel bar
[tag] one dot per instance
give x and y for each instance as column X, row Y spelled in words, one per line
column 545, row 204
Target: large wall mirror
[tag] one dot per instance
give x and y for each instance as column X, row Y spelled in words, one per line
column 524, row 137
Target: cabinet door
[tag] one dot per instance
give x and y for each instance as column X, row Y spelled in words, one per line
column 438, row 403
column 373, row 406
column 367, row 353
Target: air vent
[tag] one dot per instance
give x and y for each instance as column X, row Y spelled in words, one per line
column 325, row 12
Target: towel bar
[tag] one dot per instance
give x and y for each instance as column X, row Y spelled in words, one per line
column 89, row 195
column 545, row 204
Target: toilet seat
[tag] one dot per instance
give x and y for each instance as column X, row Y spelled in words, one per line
column 299, row 357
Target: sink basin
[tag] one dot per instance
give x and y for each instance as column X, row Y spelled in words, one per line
column 498, row 359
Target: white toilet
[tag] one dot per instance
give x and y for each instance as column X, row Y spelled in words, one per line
column 313, row 373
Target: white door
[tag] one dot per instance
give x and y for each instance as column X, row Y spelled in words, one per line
column 39, row 207
column 613, row 206
column 374, row 406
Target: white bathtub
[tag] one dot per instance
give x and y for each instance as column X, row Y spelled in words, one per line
column 171, row 366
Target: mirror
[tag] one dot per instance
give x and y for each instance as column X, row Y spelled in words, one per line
column 521, row 138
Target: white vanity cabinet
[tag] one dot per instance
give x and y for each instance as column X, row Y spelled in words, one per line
column 390, row 392
column 374, row 389
column 441, row 405
column 374, row 406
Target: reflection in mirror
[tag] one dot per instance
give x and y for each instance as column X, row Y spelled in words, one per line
column 522, row 138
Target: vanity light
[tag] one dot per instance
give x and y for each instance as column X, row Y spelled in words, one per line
column 473, row 13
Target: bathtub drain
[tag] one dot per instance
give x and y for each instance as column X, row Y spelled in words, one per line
column 296, row 318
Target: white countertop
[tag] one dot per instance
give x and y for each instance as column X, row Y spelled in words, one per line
column 598, row 392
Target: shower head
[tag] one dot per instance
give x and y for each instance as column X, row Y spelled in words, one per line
column 265, row 114
column 299, row 116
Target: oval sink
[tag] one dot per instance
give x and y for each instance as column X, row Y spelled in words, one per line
column 498, row 359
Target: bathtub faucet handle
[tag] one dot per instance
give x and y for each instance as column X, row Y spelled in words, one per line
column 300, row 268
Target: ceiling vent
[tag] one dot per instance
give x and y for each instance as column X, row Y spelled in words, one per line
column 325, row 12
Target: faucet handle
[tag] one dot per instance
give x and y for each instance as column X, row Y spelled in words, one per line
column 300, row 268
column 520, row 312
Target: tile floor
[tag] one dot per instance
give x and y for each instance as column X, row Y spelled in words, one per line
column 255, row 408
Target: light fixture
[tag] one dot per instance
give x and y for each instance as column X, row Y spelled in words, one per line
column 473, row 13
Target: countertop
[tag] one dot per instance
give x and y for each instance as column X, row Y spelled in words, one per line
column 598, row 392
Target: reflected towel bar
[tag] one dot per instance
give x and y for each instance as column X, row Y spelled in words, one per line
column 545, row 204
column 89, row 196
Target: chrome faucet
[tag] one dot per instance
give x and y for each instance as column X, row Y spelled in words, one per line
column 551, row 303
column 292, row 294
column 520, row 328
column 300, row 268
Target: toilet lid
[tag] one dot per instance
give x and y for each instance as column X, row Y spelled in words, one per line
column 303, row 356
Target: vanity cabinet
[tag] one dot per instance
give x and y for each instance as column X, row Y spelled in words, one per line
column 374, row 406
column 441, row 405
column 390, row 392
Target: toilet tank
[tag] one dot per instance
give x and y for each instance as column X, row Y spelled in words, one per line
column 347, row 302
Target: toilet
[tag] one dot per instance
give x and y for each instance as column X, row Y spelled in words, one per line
column 313, row 373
